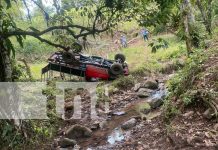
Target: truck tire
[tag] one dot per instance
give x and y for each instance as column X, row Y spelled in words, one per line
column 116, row 69
column 120, row 57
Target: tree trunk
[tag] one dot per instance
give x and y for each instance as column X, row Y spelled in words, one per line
column 28, row 70
column 187, row 36
column 5, row 65
column 206, row 15
column 209, row 20
column 188, row 21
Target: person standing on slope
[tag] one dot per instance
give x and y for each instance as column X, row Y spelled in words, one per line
column 123, row 41
column 145, row 33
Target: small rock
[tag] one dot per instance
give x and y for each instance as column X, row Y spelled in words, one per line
column 109, row 117
column 145, row 78
column 146, row 147
column 150, row 84
column 137, row 87
column 188, row 114
column 114, row 102
column 121, row 113
column 216, row 127
column 197, row 139
column 129, row 124
column 208, row 114
column 64, row 143
column 69, row 105
column 103, row 124
column 101, row 105
column 78, row 131
column 156, row 131
column 155, row 103
column 95, row 126
column 60, row 132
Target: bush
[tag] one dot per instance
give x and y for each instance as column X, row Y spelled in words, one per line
column 184, row 79
column 181, row 87
column 158, row 44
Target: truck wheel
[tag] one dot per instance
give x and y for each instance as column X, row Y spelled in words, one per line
column 120, row 57
column 116, row 69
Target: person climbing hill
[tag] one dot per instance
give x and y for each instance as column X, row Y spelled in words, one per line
column 145, row 33
column 123, row 41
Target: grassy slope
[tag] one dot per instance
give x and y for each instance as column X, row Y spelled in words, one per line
column 36, row 69
column 138, row 55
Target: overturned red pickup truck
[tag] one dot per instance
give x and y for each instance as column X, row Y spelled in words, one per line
column 89, row 67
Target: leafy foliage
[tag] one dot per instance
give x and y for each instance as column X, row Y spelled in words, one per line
column 180, row 87
column 157, row 44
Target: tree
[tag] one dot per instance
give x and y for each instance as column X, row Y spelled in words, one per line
column 189, row 21
column 205, row 7
column 105, row 15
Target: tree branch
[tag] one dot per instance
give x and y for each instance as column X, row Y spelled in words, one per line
column 50, row 43
column 39, row 34
column 28, row 11
column 46, row 15
column 85, row 31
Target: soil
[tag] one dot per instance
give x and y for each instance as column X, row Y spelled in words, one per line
column 187, row 131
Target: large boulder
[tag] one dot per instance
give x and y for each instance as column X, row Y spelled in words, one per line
column 155, row 102
column 150, row 84
column 129, row 124
column 64, row 143
column 144, row 93
column 143, row 108
column 78, row 131
column 137, row 87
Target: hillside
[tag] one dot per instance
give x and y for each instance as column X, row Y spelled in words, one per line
column 108, row 74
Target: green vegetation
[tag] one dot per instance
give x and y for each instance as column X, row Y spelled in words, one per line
column 124, row 82
column 142, row 61
column 184, row 90
column 182, row 40
column 36, row 70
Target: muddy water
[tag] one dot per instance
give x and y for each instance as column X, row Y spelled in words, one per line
column 100, row 137
column 113, row 133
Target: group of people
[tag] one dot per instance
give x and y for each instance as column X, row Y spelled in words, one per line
column 144, row 34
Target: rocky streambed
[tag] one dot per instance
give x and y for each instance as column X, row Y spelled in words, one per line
column 128, row 110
